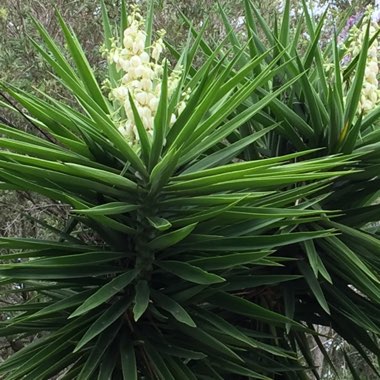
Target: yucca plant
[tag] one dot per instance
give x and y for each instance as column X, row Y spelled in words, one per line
column 215, row 205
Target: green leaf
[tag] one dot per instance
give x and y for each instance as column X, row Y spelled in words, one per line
column 238, row 369
column 108, row 41
column 161, row 369
column 112, row 208
column 253, row 281
column 206, row 215
column 190, row 272
column 230, row 31
column 83, row 66
column 63, row 304
column 240, row 166
column 112, row 314
column 141, row 300
column 160, row 121
column 247, row 243
column 180, row 352
column 123, row 18
column 105, row 339
column 223, row 156
column 163, row 170
column 242, row 306
column 103, row 176
column 314, row 286
column 315, row 262
column 208, row 341
column 229, row 261
column 349, row 257
column 228, row 329
column 107, row 291
column 179, row 369
column 285, row 25
column 149, row 25
column 143, row 135
column 128, row 358
column 108, row 364
column 158, row 223
column 171, row 238
column 79, row 259
column 45, row 272
column 174, row 308
column 34, row 356
column 354, row 92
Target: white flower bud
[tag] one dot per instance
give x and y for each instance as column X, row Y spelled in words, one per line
column 129, row 112
column 181, row 107
column 157, row 90
column 372, row 66
column 136, row 134
column 147, row 73
column 373, row 97
column 139, row 71
column 144, row 56
column 127, row 130
column 372, row 53
column 141, row 97
column 158, row 70
column 128, row 41
column 147, row 112
column 367, row 89
column 141, row 37
column 138, row 47
column 153, row 104
column 367, row 105
column 135, row 61
column 115, row 56
column 125, row 79
column 146, row 84
column 123, row 131
column 120, row 93
column 131, row 74
column 140, row 110
column 148, row 123
column 371, row 78
column 136, row 84
column 372, row 30
column 124, row 64
column 157, row 50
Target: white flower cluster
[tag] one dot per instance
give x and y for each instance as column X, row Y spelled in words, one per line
column 142, row 78
column 370, row 95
